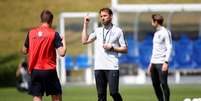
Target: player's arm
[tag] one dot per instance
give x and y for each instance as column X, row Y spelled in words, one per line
column 122, row 48
column 123, row 44
column 26, row 45
column 18, row 70
column 60, row 45
column 149, row 69
column 24, row 50
column 168, row 44
column 86, row 39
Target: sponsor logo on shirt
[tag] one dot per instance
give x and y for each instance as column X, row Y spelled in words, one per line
column 40, row 34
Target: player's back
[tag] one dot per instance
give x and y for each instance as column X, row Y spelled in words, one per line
column 42, row 54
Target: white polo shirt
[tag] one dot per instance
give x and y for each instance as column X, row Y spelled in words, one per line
column 107, row 60
column 162, row 46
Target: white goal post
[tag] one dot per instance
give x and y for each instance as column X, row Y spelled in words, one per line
column 60, row 60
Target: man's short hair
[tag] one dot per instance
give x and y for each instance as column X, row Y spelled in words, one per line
column 108, row 10
column 46, row 16
column 157, row 17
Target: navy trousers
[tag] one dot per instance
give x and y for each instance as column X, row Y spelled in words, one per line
column 159, row 82
column 110, row 77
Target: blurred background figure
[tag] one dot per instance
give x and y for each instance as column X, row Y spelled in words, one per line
column 22, row 76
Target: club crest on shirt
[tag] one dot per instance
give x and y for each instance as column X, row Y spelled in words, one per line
column 40, row 34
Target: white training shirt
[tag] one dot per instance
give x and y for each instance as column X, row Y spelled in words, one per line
column 162, row 46
column 107, row 60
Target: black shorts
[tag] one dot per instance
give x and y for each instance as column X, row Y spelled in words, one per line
column 44, row 81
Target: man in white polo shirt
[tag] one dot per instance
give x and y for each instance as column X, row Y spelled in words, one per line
column 109, row 41
column 158, row 68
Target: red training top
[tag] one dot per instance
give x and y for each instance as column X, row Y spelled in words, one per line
column 42, row 43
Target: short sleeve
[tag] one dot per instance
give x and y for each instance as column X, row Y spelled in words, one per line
column 26, row 43
column 58, row 40
column 122, row 40
column 92, row 35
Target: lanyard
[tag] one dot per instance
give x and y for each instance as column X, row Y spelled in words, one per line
column 105, row 36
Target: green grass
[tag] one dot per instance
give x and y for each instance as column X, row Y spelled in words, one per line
column 129, row 93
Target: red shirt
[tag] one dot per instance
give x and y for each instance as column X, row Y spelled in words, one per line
column 42, row 43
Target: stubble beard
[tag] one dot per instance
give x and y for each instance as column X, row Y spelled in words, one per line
column 106, row 23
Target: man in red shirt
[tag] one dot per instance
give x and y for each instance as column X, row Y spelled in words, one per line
column 41, row 45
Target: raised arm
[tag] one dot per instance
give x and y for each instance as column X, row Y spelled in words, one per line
column 85, row 37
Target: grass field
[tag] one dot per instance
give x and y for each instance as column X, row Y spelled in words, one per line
column 129, row 93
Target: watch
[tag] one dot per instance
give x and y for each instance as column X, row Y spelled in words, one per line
column 112, row 48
